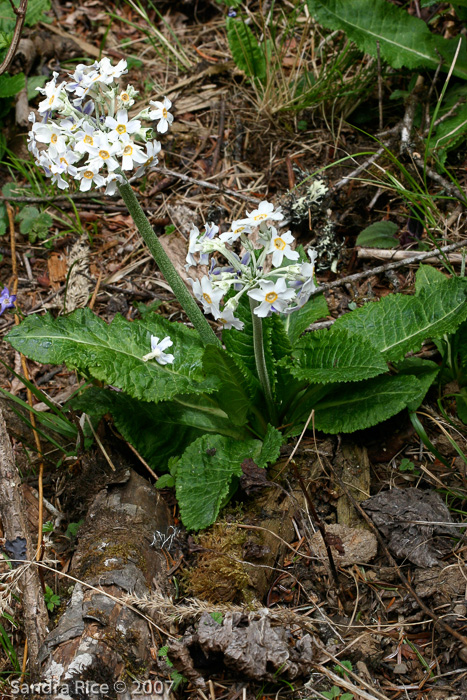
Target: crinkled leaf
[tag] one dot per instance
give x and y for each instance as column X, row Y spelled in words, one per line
column 314, row 309
column 404, row 40
column 325, row 357
column 427, row 275
column 234, row 396
column 113, row 352
column 425, row 371
column 10, row 85
column 398, row 324
column 157, row 431
column 205, row 474
column 271, row 447
column 381, row 234
column 361, row 405
column 246, row 52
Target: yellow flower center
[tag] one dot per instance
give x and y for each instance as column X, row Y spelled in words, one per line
column 279, row 243
column 104, row 155
column 63, row 160
column 125, row 97
column 54, row 138
column 51, row 99
column 88, row 139
column 222, row 320
column 149, row 160
column 260, row 217
column 164, row 112
column 121, row 129
column 88, row 174
column 128, row 150
column 271, row 297
column 207, row 298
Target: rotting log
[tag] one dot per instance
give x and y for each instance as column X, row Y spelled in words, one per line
column 98, row 640
column 16, row 533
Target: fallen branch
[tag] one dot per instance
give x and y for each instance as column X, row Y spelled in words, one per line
column 13, row 516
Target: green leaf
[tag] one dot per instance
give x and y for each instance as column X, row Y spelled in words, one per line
column 157, row 431
column 427, row 275
column 362, row 405
column 271, row 447
column 381, row 234
column 246, row 52
column 113, row 352
column 404, row 40
column 35, row 81
column 34, row 223
column 425, row 371
column 325, row 357
column 398, row 324
column 234, row 396
column 205, row 474
column 166, row 481
column 296, row 323
column 10, row 85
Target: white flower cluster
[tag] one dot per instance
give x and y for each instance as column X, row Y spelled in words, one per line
column 285, row 288
column 94, row 141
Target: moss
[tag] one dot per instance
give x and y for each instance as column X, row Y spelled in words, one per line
column 218, row 576
column 94, row 561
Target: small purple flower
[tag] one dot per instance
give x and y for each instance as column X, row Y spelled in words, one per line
column 7, row 300
column 231, row 13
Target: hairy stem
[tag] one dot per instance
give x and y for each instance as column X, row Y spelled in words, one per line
column 260, row 360
column 165, row 265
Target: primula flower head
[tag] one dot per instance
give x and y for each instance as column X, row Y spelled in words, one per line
column 87, row 115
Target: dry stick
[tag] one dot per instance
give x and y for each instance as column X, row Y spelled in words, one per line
column 220, row 139
column 208, row 185
column 32, row 417
column 13, row 515
column 403, row 578
column 391, row 266
column 20, row 13
column 385, row 254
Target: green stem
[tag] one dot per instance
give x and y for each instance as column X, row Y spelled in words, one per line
column 165, row 265
column 260, row 360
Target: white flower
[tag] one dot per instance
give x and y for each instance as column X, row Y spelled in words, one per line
column 53, row 93
column 111, row 181
column 157, row 351
column 237, row 230
column 86, row 138
column 193, row 247
column 265, row 211
column 152, row 149
column 228, row 320
column 51, row 134
column 121, row 126
column 104, row 154
column 89, row 175
column 273, row 297
column 125, row 98
column 64, row 164
column 279, row 246
column 108, row 72
column 132, row 152
column 162, row 113
column 208, row 296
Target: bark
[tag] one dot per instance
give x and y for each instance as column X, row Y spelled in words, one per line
column 15, row 528
column 98, row 639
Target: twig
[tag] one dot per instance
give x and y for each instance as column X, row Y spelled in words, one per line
column 220, row 139
column 385, row 254
column 359, row 169
column 391, row 266
column 20, row 13
column 208, row 185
